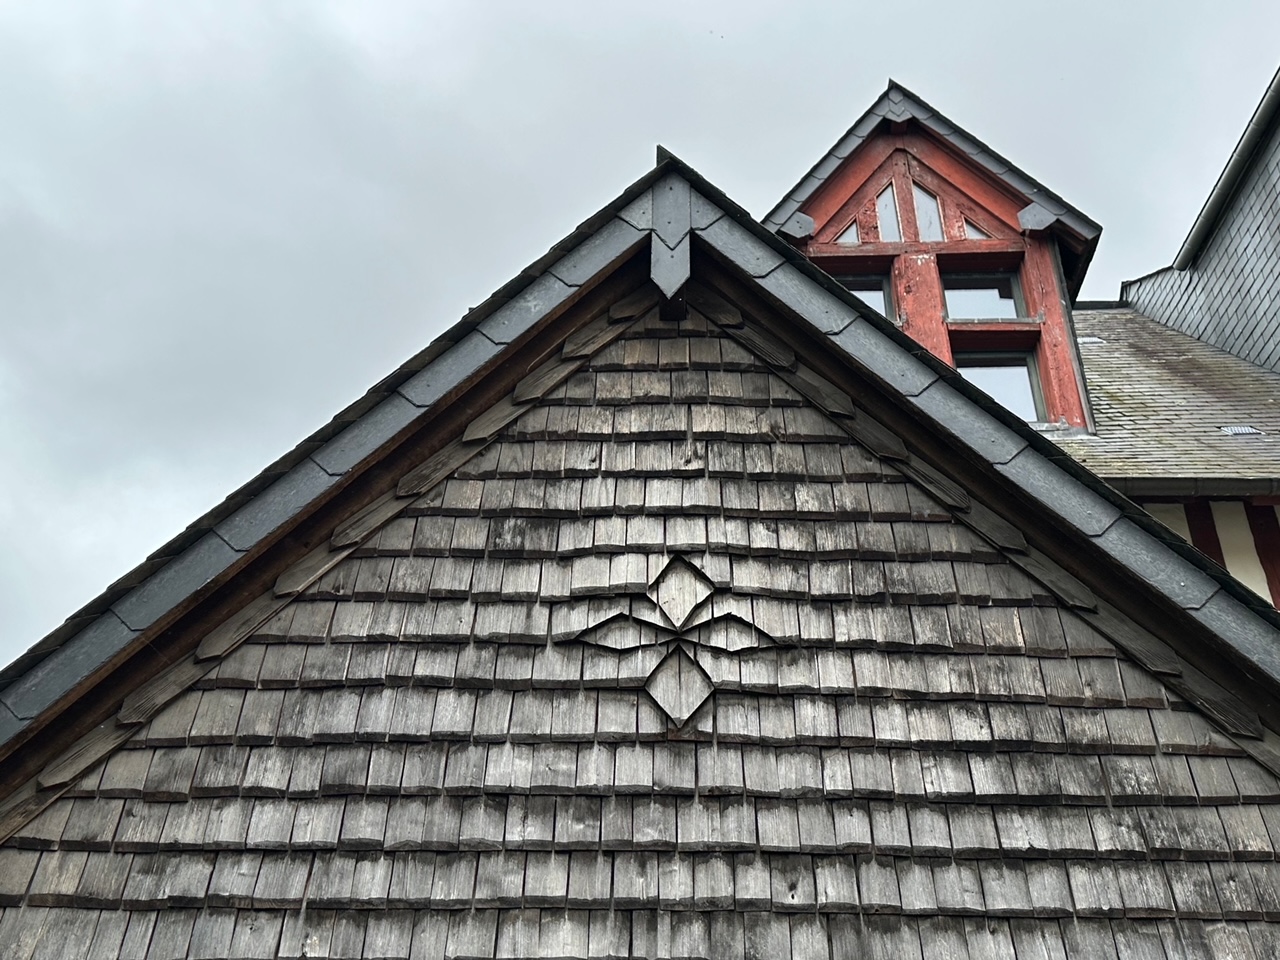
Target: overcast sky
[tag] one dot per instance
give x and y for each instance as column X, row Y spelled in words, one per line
column 221, row 222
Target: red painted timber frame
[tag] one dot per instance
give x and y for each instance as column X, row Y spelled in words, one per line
column 901, row 156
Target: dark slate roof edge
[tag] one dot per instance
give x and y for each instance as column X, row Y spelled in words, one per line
column 1241, row 161
column 192, row 560
column 899, row 102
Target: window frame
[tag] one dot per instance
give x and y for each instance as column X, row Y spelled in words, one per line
column 997, row 357
column 886, row 288
column 1022, row 313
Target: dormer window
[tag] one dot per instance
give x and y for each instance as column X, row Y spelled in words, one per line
column 850, row 234
column 982, row 296
column 928, row 214
column 1010, row 377
column 873, row 289
column 963, row 257
column 887, row 216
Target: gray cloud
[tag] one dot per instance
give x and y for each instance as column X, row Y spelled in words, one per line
column 220, row 222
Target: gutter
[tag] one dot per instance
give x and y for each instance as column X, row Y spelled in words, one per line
column 1229, row 179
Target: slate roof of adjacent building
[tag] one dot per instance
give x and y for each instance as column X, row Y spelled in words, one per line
column 681, row 648
column 1160, row 399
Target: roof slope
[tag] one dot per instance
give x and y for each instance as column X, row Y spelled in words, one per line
column 898, row 104
column 1160, row 399
column 674, row 666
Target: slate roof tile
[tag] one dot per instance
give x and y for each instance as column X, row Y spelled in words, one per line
column 1159, row 399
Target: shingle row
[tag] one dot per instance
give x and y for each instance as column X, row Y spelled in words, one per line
column 402, row 934
column 616, row 714
column 968, row 830
column 522, row 537
column 782, row 882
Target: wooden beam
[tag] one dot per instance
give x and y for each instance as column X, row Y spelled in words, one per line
column 1266, row 540
column 1204, row 532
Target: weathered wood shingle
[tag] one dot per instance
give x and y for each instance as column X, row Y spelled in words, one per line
column 674, row 667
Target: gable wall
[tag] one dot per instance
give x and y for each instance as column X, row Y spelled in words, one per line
column 1229, row 296
column 446, row 746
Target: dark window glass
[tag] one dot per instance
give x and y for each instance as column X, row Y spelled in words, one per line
column 873, row 291
column 994, row 297
column 928, row 216
column 887, row 212
column 1009, row 378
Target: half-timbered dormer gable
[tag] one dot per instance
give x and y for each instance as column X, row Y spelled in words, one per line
column 972, row 258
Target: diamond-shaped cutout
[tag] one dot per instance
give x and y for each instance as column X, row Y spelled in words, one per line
column 679, row 686
column 623, row 633
column 678, row 589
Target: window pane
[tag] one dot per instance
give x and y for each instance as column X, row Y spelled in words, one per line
column 928, row 216
column 871, row 291
column 1008, row 382
column 973, row 232
column 980, row 298
column 850, row 234
column 887, row 212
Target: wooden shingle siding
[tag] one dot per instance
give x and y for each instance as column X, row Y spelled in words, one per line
column 452, row 743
